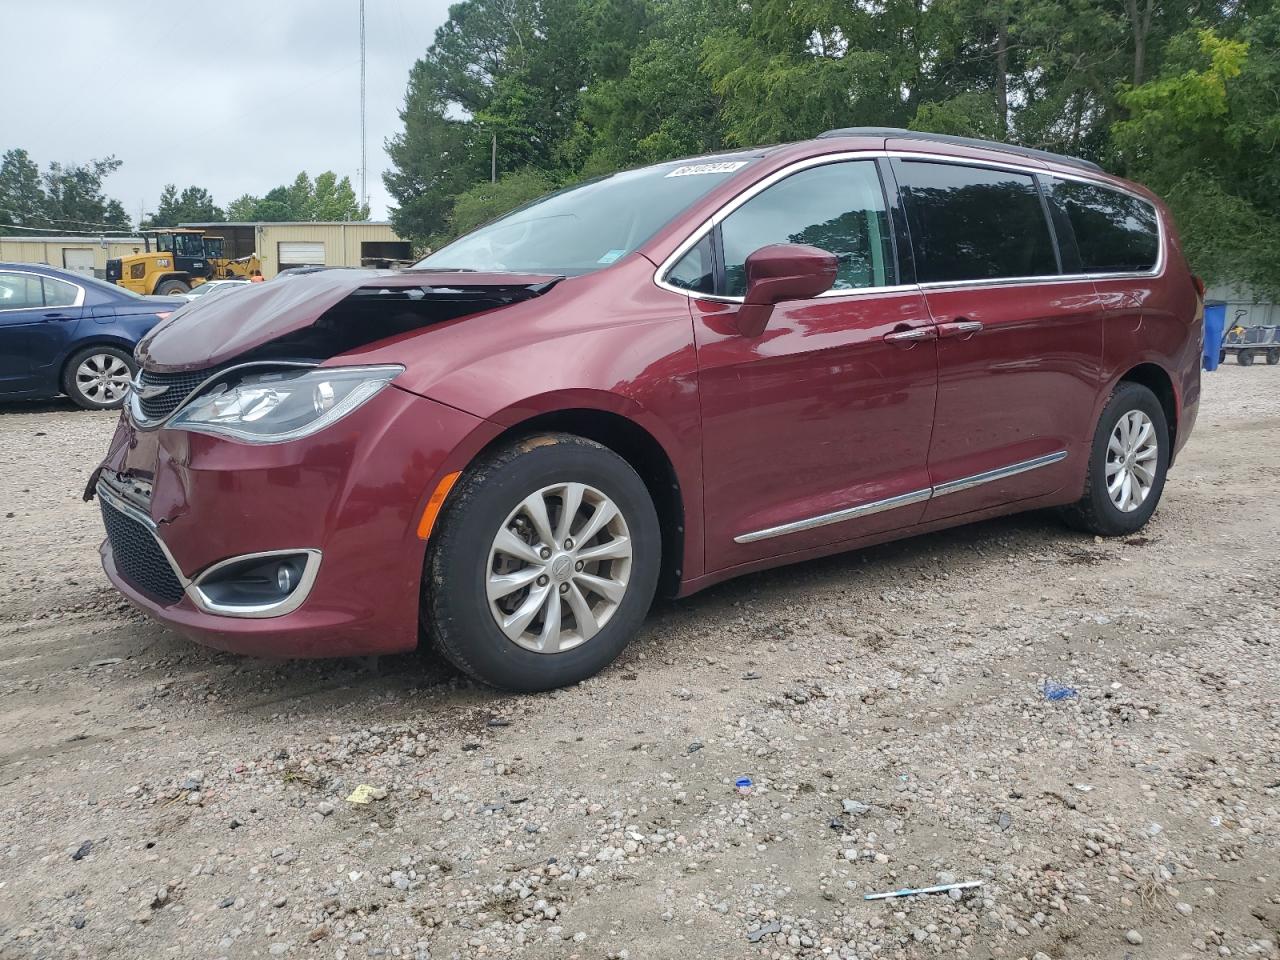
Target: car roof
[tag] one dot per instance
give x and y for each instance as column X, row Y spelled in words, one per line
column 899, row 133
column 42, row 268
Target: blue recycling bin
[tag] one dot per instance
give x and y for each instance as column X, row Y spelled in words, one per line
column 1215, row 328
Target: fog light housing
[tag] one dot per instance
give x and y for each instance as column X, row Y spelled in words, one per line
column 257, row 585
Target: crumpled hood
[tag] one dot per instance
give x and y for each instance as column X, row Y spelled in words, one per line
column 211, row 331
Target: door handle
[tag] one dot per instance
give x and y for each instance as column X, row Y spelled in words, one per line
column 50, row 317
column 911, row 336
column 964, row 329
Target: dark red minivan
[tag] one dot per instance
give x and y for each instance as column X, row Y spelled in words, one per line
column 655, row 380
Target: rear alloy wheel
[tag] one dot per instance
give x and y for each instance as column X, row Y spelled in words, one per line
column 98, row 378
column 542, row 563
column 1129, row 458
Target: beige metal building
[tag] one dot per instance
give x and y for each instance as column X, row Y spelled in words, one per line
column 87, row 255
column 323, row 243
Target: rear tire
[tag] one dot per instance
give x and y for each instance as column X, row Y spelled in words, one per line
column 98, row 378
column 1273, row 357
column 1245, row 358
column 171, row 288
column 564, row 616
column 1109, row 508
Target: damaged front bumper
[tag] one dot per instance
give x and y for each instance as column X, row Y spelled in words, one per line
column 306, row 548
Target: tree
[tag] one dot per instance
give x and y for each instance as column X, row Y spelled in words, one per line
column 488, row 201
column 325, row 198
column 22, row 199
column 195, row 205
column 74, row 201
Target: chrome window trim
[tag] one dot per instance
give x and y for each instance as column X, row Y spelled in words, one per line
column 293, row 601
column 847, row 155
column 902, row 499
column 79, row 301
column 134, row 403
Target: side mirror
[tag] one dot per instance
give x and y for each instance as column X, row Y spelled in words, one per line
column 782, row 271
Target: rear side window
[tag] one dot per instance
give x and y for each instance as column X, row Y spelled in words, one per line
column 59, row 294
column 20, row 291
column 974, row 223
column 1114, row 232
column 837, row 207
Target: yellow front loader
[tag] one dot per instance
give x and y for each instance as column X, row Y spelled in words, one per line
column 175, row 260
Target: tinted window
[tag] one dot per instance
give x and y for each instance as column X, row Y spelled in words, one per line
column 1114, row 232
column 59, row 294
column 588, row 226
column 974, row 223
column 838, row 207
column 20, row 290
column 696, row 270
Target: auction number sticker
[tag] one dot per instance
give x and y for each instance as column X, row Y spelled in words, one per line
column 694, row 169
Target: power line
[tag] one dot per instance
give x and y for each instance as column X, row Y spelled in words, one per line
column 364, row 171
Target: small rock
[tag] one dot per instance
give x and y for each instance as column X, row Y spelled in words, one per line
column 1134, row 937
column 82, row 851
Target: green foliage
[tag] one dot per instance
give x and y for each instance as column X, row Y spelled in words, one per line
column 327, row 198
column 1181, row 94
column 195, row 205
column 64, row 199
column 488, row 201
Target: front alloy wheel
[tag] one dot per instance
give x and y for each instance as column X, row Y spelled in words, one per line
column 542, row 564
column 559, row 568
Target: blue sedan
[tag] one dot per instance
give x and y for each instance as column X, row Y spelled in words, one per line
column 63, row 332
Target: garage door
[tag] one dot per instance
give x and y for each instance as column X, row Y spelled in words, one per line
column 78, row 260
column 300, row 254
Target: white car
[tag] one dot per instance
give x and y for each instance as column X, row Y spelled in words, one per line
column 212, row 287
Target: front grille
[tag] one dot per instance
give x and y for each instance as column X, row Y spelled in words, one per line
column 179, row 386
column 138, row 558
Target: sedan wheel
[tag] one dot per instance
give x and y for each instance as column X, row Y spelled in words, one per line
column 559, row 568
column 98, row 378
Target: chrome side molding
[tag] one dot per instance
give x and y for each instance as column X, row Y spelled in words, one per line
column 902, row 499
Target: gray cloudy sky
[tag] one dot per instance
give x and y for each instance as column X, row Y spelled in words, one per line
column 236, row 96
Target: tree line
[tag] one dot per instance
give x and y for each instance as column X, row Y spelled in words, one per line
column 71, row 199
column 1181, row 95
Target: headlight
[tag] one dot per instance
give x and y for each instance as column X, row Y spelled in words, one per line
column 282, row 405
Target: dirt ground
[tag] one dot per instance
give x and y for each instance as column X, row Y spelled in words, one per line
column 160, row 800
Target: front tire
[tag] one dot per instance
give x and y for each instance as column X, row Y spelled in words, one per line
column 1128, row 461
column 98, row 378
column 171, row 288
column 1273, row 357
column 1245, row 358
column 542, row 565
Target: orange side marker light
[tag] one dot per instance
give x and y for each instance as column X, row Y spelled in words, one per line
column 435, row 503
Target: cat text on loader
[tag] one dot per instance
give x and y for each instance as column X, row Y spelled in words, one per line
column 175, row 260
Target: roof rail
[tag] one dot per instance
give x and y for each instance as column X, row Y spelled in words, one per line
column 901, row 134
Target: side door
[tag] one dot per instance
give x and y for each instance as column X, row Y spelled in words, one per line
column 1019, row 344
column 21, row 313
column 817, row 430
column 57, row 329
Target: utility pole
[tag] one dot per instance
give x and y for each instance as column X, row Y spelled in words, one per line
column 493, row 160
column 364, row 172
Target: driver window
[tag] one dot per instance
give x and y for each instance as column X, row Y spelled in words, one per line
column 838, row 207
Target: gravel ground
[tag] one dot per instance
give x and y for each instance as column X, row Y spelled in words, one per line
column 161, row 800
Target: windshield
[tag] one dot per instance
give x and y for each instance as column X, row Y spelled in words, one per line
column 584, row 227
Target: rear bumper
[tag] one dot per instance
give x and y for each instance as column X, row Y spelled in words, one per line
column 352, row 494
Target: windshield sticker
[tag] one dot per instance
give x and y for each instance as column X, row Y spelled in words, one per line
column 611, row 256
column 693, row 169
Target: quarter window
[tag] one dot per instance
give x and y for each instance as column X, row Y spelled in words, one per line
column 1114, row 232
column 696, row 270
column 58, row 293
column 975, row 223
column 838, row 207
